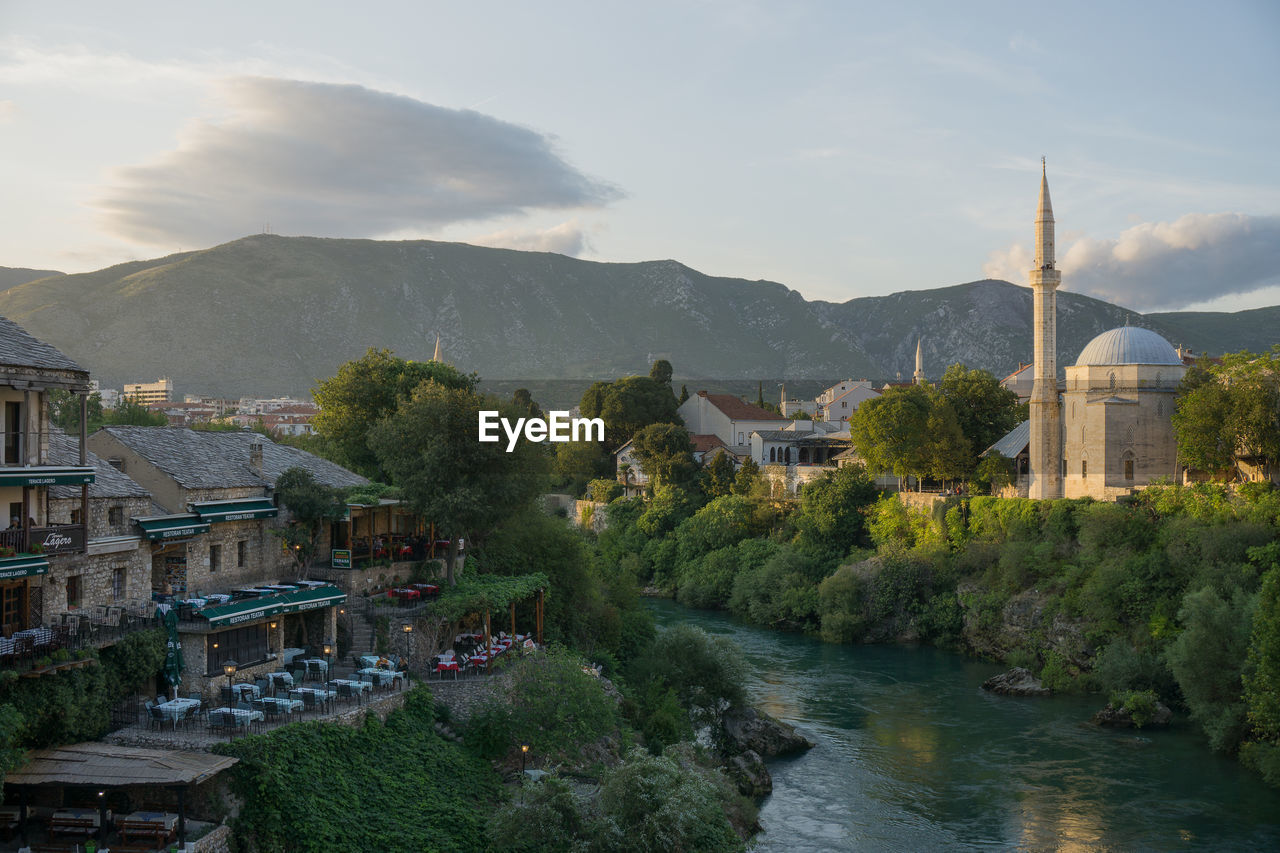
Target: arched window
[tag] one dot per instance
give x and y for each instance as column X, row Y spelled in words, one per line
column 1129, row 434
column 1084, row 468
column 773, row 454
column 1128, row 469
column 1160, row 408
column 1112, row 380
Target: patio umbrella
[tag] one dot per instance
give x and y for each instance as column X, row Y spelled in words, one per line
column 173, row 664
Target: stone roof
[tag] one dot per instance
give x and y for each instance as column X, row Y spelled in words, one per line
column 1014, row 442
column 18, row 348
column 104, row 764
column 107, row 481
column 208, row 459
column 1128, row 345
column 704, row 442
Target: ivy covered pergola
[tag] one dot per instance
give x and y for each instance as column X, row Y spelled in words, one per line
column 475, row 593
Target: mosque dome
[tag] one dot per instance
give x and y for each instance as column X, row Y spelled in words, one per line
column 1128, row 345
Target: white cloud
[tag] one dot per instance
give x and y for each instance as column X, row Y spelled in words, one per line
column 1163, row 265
column 8, row 109
column 567, row 238
column 337, row 160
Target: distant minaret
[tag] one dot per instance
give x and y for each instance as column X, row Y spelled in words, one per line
column 918, row 376
column 438, row 357
column 1046, row 418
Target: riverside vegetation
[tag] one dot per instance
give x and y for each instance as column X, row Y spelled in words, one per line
column 1174, row 595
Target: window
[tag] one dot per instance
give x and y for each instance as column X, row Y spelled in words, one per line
column 844, row 404
column 215, row 557
column 242, row 552
column 773, row 454
column 1084, row 467
column 740, row 438
column 116, row 462
column 1128, row 469
column 1064, row 466
column 117, row 583
column 1112, row 381
column 243, row 645
column 115, row 516
column 73, row 591
column 77, row 517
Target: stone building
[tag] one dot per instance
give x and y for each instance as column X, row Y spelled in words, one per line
column 115, row 567
column 1109, row 430
column 211, row 532
column 29, row 370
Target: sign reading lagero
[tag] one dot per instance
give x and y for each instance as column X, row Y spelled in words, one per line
column 557, row 426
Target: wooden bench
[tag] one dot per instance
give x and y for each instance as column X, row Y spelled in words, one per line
column 71, row 826
column 148, row 829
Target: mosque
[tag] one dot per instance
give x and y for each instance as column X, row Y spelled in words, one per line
column 1109, row 430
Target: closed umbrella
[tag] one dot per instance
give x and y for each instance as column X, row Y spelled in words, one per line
column 173, row 664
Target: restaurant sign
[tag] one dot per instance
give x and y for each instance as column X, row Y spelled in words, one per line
column 59, row 540
column 340, row 558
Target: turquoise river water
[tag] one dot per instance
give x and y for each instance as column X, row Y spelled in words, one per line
column 913, row 755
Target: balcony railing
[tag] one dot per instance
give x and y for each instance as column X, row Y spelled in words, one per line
column 93, row 627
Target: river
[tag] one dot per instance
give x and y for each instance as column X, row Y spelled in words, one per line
column 912, row 755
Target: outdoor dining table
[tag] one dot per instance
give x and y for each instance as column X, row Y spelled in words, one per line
column 246, row 691
column 166, row 819
column 67, row 814
column 283, row 705
column 380, row 676
column 288, row 655
column 243, row 716
column 280, row 678
column 39, row 636
column 374, row 661
column 176, row 709
column 319, row 692
column 362, row 686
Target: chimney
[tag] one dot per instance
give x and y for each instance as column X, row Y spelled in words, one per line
column 255, row 458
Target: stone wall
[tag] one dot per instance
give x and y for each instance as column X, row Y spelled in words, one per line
column 366, row 580
column 95, row 573
column 590, row 515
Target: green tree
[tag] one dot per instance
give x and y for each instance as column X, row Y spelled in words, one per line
column 985, row 410
column 1262, row 676
column 832, row 515
column 684, row 395
column 311, row 504
column 64, row 410
column 1200, row 419
column 629, row 405
column 364, row 392
column 129, row 412
column 747, row 480
column 665, row 453
column 949, row 452
column 994, row 472
column 720, row 475
column 429, row 448
column 661, row 372
column 1208, row 659
column 890, row 432
column 522, row 401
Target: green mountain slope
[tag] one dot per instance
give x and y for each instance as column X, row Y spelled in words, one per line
column 13, row 276
column 269, row 314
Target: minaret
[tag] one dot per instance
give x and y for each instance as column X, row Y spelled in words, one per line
column 437, row 356
column 1046, row 417
column 918, row 376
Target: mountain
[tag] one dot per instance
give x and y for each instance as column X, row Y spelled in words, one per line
column 13, row 276
column 269, row 314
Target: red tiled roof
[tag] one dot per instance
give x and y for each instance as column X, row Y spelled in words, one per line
column 703, row 443
column 739, row 409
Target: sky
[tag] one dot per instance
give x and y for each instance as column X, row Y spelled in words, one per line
column 844, row 149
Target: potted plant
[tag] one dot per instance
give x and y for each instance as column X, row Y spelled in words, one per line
column 36, row 548
column 6, row 551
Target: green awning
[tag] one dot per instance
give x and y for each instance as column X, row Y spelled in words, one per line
column 242, row 509
column 240, row 612
column 181, row 526
column 22, row 567
column 45, row 475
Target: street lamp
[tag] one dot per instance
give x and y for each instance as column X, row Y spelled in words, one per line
column 229, row 668
column 328, row 650
column 407, row 628
column 524, row 752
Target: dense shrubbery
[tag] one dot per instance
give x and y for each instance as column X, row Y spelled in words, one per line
column 409, row 788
